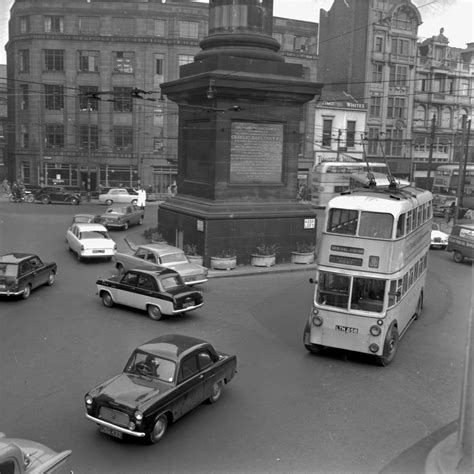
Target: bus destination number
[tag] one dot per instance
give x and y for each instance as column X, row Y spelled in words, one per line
column 347, row 329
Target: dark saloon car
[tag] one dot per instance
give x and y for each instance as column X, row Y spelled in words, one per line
column 122, row 217
column 57, row 194
column 163, row 380
column 158, row 292
column 22, row 272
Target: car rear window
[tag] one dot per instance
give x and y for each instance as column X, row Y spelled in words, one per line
column 8, row 269
column 93, row 235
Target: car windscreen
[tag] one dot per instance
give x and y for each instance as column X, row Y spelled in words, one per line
column 145, row 364
column 93, row 235
column 8, row 269
column 117, row 210
column 173, row 257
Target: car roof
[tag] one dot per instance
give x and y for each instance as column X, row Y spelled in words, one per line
column 89, row 226
column 162, row 248
column 15, row 257
column 172, row 346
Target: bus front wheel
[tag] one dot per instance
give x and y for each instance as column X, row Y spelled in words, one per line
column 419, row 306
column 458, row 257
column 313, row 348
column 390, row 346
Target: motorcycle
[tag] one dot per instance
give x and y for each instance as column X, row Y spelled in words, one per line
column 27, row 196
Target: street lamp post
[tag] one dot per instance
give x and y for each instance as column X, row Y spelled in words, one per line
column 89, row 109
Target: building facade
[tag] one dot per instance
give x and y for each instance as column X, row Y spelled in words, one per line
column 443, row 101
column 84, row 100
column 368, row 48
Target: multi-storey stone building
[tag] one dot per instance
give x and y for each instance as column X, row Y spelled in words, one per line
column 84, row 87
column 368, row 48
column 443, row 100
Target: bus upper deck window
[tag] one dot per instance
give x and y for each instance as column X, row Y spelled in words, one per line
column 342, row 221
column 376, row 224
column 401, row 225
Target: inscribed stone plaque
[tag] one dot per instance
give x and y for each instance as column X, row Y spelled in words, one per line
column 256, row 152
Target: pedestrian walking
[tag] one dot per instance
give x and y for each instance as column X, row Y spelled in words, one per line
column 141, row 200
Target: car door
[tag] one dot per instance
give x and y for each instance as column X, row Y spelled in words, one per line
column 125, row 292
column 191, row 384
column 145, row 291
column 40, row 272
column 72, row 238
column 25, row 275
column 207, row 368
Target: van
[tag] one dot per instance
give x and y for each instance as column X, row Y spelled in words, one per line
column 461, row 242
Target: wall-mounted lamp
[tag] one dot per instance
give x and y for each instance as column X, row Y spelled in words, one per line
column 212, row 91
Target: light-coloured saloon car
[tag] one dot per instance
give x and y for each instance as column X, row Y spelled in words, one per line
column 118, row 195
column 90, row 241
column 153, row 256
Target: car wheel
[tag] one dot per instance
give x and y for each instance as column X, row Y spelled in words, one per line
column 30, row 198
column 51, row 279
column 457, row 257
column 125, row 226
column 26, row 292
column 74, row 201
column 419, row 306
column 78, row 256
column 134, row 202
column 45, row 200
column 390, row 346
column 107, row 299
column 154, row 312
column 159, row 429
column 109, row 202
column 12, row 198
column 215, row 392
column 140, row 222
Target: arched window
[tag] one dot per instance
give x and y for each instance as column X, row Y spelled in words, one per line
column 460, row 119
column 402, row 20
column 446, row 118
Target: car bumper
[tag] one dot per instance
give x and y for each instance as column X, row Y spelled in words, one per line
column 10, row 292
column 194, row 279
column 137, row 434
column 189, row 308
column 92, row 254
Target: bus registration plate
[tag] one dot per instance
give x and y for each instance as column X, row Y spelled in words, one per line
column 347, row 329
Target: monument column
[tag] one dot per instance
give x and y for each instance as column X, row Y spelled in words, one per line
column 240, row 107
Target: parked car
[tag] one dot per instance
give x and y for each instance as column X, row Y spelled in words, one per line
column 439, row 239
column 461, row 242
column 119, row 195
column 86, row 219
column 22, row 456
column 90, row 241
column 122, row 217
column 163, row 380
column 162, row 255
column 51, row 194
column 158, row 292
column 22, row 272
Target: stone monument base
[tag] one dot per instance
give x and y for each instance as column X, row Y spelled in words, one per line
column 218, row 227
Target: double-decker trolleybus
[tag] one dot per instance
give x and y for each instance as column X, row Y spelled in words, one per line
column 371, row 269
column 330, row 178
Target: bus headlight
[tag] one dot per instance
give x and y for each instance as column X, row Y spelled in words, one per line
column 374, row 348
column 375, row 330
column 317, row 320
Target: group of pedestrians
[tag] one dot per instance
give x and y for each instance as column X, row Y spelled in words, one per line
column 17, row 189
